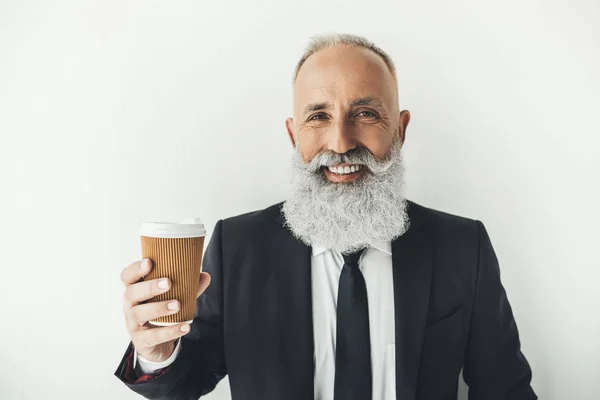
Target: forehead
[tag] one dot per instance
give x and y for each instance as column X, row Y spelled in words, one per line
column 342, row 74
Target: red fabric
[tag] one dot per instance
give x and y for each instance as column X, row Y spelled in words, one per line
column 131, row 376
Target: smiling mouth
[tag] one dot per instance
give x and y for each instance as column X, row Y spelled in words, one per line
column 343, row 173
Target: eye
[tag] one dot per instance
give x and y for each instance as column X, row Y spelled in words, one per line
column 371, row 114
column 316, row 115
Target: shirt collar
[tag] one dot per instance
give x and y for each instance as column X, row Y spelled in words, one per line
column 383, row 246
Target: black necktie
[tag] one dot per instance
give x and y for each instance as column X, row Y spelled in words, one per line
column 353, row 380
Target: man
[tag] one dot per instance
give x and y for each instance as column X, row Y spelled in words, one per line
column 347, row 290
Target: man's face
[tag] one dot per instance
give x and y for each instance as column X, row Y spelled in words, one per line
column 345, row 97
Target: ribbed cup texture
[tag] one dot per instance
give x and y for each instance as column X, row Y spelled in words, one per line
column 180, row 260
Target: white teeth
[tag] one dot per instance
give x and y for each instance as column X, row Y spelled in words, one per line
column 348, row 169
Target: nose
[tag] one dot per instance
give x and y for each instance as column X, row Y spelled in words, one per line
column 340, row 138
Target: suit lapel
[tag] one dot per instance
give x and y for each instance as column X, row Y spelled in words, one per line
column 290, row 263
column 412, row 259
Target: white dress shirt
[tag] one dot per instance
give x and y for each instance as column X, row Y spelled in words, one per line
column 326, row 266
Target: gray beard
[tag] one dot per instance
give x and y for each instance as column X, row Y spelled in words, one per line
column 347, row 217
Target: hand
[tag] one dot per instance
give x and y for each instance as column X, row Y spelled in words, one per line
column 154, row 343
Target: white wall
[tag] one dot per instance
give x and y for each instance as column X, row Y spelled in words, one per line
column 112, row 112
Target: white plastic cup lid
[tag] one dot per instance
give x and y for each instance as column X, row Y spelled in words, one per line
column 187, row 228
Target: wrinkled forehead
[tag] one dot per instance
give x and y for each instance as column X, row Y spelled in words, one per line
column 341, row 75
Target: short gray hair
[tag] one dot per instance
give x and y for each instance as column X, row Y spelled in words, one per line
column 323, row 41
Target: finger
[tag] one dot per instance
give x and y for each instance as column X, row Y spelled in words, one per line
column 155, row 336
column 141, row 291
column 143, row 313
column 134, row 272
column 204, row 282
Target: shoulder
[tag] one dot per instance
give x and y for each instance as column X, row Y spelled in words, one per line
column 443, row 224
column 435, row 222
column 254, row 222
column 419, row 214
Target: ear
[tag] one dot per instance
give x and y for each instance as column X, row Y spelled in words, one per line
column 403, row 121
column 289, row 125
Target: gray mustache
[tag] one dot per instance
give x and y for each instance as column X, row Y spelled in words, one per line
column 360, row 156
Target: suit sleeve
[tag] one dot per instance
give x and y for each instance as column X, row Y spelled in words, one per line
column 146, row 367
column 494, row 367
column 200, row 364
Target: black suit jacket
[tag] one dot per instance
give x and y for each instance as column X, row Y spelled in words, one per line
column 254, row 322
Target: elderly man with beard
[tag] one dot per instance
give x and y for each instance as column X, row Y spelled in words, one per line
column 347, row 290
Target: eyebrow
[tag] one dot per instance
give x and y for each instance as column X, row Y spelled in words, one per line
column 363, row 101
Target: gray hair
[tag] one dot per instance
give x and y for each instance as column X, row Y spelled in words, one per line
column 323, row 41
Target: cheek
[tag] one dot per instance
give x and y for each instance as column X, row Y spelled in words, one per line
column 379, row 148
column 308, row 147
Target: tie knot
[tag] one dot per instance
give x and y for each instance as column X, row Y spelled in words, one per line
column 352, row 258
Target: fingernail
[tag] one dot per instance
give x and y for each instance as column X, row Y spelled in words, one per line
column 185, row 328
column 145, row 265
column 173, row 305
column 163, row 284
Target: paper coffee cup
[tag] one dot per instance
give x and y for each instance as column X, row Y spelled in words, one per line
column 176, row 253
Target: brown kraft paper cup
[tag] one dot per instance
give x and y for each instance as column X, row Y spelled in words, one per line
column 176, row 258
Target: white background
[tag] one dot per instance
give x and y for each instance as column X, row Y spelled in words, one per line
column 112, row 112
